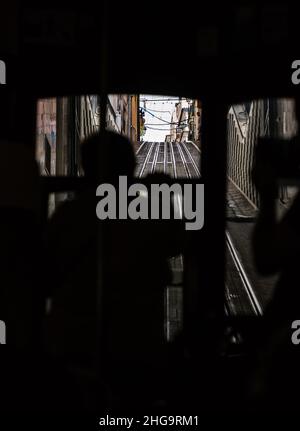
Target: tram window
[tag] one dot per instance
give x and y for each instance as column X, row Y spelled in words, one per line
column 170, row 130
column 165, row 132
column 246, row 292
column 64, row 122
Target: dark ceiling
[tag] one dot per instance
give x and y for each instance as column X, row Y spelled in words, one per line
column 235, row 50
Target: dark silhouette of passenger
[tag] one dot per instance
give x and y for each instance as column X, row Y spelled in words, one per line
column 275, row 243
column 276, row 246
column 22, row 295
column 20, row 244
column 111, row 272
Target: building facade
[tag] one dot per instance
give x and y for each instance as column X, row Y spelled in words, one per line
column 186, row 121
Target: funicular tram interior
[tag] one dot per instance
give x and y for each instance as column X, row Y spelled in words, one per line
column 213, row 358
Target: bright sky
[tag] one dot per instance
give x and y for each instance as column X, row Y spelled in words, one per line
column 160, row 110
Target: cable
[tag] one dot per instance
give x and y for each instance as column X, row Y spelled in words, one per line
column 164, row 121
column 155, row 128
column 183, row 123
column 156, row 110
column 155, row 116
column 159, row 100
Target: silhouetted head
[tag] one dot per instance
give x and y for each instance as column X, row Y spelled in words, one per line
column 106, row 155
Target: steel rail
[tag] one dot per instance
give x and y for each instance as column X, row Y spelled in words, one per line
column 154, row 162
column 192, row 159
column 146, row 159
column 243, row 276
column 173, row 159
column 185, row 165
column 139, row 149
column 197, row 148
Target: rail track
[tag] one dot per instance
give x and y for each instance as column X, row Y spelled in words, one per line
column 240, row 296
column 182, row 160
column 179, row 160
